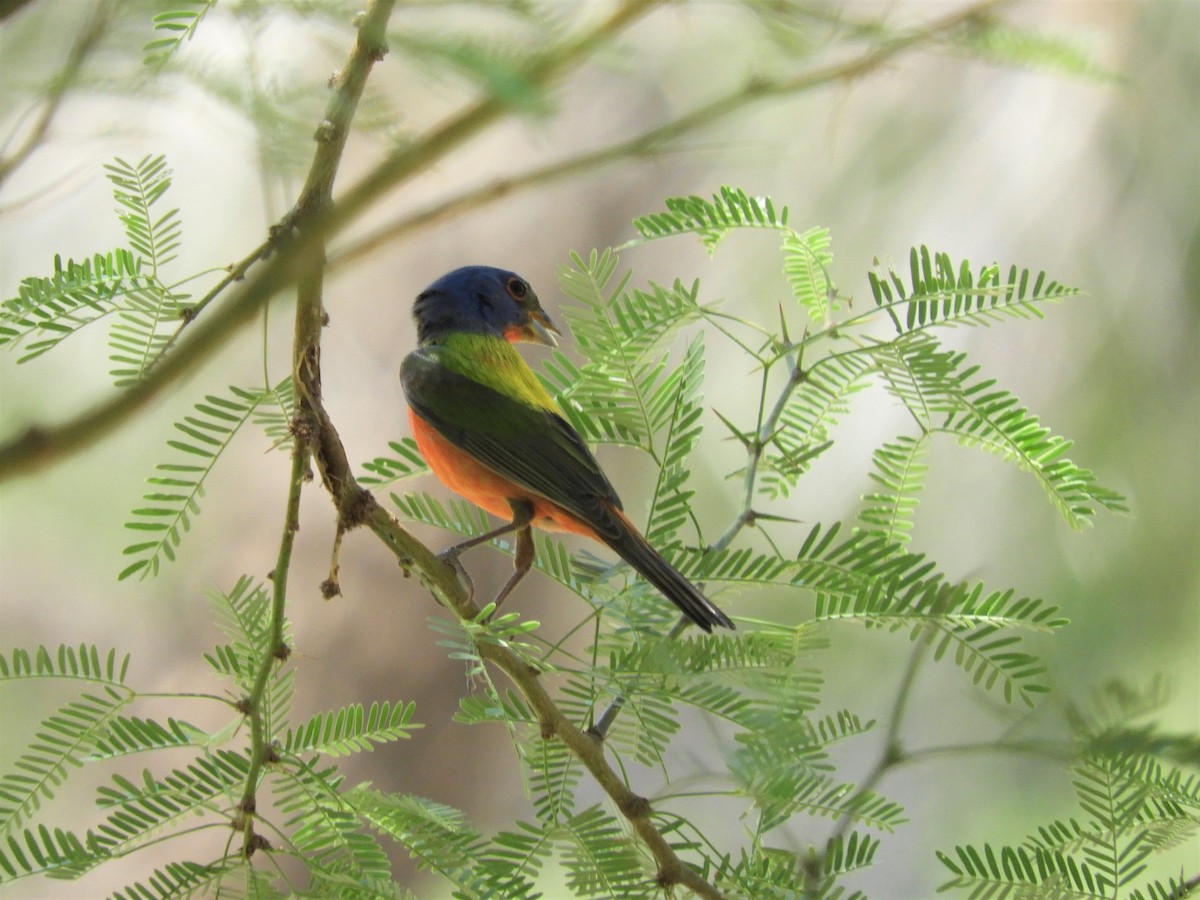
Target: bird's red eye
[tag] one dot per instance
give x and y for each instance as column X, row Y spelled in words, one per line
column 518, row 288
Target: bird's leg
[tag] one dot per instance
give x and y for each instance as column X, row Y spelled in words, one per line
column 522, row 560
column 522, row 516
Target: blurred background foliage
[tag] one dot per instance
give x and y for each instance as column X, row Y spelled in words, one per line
column 1088, row 169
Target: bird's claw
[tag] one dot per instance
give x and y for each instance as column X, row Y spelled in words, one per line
column 450, row 558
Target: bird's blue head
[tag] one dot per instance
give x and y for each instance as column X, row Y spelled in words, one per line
column 482, row 300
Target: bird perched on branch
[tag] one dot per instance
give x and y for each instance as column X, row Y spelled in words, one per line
column 491, row 432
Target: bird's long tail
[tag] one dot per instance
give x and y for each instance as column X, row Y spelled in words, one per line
column 635, row 550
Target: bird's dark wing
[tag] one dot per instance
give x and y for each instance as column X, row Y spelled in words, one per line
column 536, row 449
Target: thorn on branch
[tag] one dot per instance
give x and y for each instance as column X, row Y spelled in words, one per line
column 254, row 843
column 187, row 314
column 244, row 706
column 282, row 652
column 330, row 587
column 326, row 132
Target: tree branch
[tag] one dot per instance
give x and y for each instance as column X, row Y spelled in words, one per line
column 356, row 507
column 85, row 43
column 442, row 581
column 39, row 445
column 314, row 198
column 653, row 140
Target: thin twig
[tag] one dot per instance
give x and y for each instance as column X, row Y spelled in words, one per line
column 315, row 197
column 84, row 45
column 236, row 272
column 276, row 651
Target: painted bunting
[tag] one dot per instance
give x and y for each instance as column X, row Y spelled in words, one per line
column 491, row 432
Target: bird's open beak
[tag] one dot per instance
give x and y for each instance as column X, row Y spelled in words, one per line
column 540, row 329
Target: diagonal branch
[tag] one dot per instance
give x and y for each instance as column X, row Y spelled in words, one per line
column 84, row 45
column 656, row 139
column 442, row 581
column 40, row 445
column 357, row 507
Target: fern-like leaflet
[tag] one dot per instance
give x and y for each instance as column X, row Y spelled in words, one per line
column 48, row 310
column 178, row 879
column 325, row 828
column 729, row 209
column 675, row 410
column 207, row 434
column 127, row 284
column 179, row 24
column 617, row 327
column 601, row 859
column 899, row 473
column 806, row 256
column 85, row 663
column 137, row 338
column 351, row 729
column 405, row 463
column 66, row 738
column 62, row 741
column 963, row 618
column 939, row 294
column 993, row 420
column 945, row 397
column 139, row 812
column 438, row 838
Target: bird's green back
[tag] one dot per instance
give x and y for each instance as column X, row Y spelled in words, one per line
column 493, row 362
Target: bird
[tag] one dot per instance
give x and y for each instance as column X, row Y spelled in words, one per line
column 491, row 432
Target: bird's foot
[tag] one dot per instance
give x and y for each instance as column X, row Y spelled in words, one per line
column 450, row 558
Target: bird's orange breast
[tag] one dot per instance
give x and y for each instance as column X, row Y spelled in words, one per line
column 484, row 487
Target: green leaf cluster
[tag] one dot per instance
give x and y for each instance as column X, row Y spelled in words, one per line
column 312, row 808
column 622, row 674
column 1131, row 806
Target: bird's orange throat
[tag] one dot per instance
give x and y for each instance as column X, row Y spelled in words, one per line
column 485, row 488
